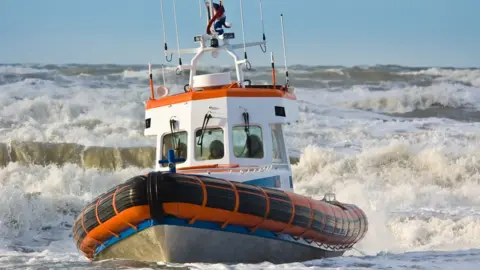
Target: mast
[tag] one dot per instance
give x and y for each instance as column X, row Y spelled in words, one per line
column 213, row 44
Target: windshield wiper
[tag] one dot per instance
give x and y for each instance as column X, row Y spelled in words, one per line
column 202, row 131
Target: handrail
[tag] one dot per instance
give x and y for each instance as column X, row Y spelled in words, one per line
column 209, row 166
column 243, row 168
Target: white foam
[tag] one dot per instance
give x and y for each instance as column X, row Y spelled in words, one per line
column 47, row 112
column 41, row 202
column 10, row 69
column 400, row 177
column 411, row 98
column 417, row 180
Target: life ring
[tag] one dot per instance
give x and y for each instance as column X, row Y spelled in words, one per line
column 162, row 91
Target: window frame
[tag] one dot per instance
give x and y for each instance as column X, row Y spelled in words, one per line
column 262, row 138
column 277, row 129
column 161, row 146
column 195, row 143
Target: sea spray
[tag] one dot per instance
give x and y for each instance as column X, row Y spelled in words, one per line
column 397, row 185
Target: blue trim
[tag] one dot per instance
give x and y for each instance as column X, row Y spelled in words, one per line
column 171, row 161
column 268, row 182
column 128, row 232
column 201, row 225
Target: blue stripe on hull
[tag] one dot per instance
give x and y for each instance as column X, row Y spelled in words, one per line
column 267, row 182
column 202, row 225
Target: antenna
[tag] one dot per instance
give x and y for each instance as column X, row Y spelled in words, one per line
column 273, row 72
column 263, row 29
column 284, row 51
column 151, row 81
column 176, row 29
column 243, row 34
column 164, row 34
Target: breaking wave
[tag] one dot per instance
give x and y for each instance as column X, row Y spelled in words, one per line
column 409, row 194
column 70, row 132
column 468, row 76
column 408, row 99
column 88, row 157
column 302, row 76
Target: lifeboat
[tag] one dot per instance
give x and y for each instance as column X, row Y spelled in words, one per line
column 222, row 190
column 175, row 217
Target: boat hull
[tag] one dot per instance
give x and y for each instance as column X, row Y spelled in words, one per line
column 179, row 244
column 191, row 218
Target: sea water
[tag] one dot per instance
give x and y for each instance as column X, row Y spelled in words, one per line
column 402, row 143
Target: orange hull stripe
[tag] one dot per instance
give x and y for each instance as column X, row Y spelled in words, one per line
column 134, row 215
column 117, row 224
column 114, row 204
column 220, row 93
column 202, row 213
column 137, row 214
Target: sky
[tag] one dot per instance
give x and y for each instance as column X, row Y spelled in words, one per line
column 318, row 32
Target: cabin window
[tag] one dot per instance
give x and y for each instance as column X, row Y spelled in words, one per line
column 248, row 141
column 278, row 145
column 209, row 144
column 176, row 141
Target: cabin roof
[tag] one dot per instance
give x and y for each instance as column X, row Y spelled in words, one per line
column 253, row 91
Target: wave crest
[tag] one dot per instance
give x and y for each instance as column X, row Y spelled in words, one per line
column 385, row 181
column 89, row 157
column 414, row 98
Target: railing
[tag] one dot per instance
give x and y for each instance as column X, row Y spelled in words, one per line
column 234, row 167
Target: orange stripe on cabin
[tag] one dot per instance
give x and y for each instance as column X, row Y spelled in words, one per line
column 218, row 93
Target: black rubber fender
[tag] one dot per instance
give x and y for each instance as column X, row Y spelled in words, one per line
column 160, row 186
column 154, row 197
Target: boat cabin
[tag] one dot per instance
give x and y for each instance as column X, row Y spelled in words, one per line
column 221, row 122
